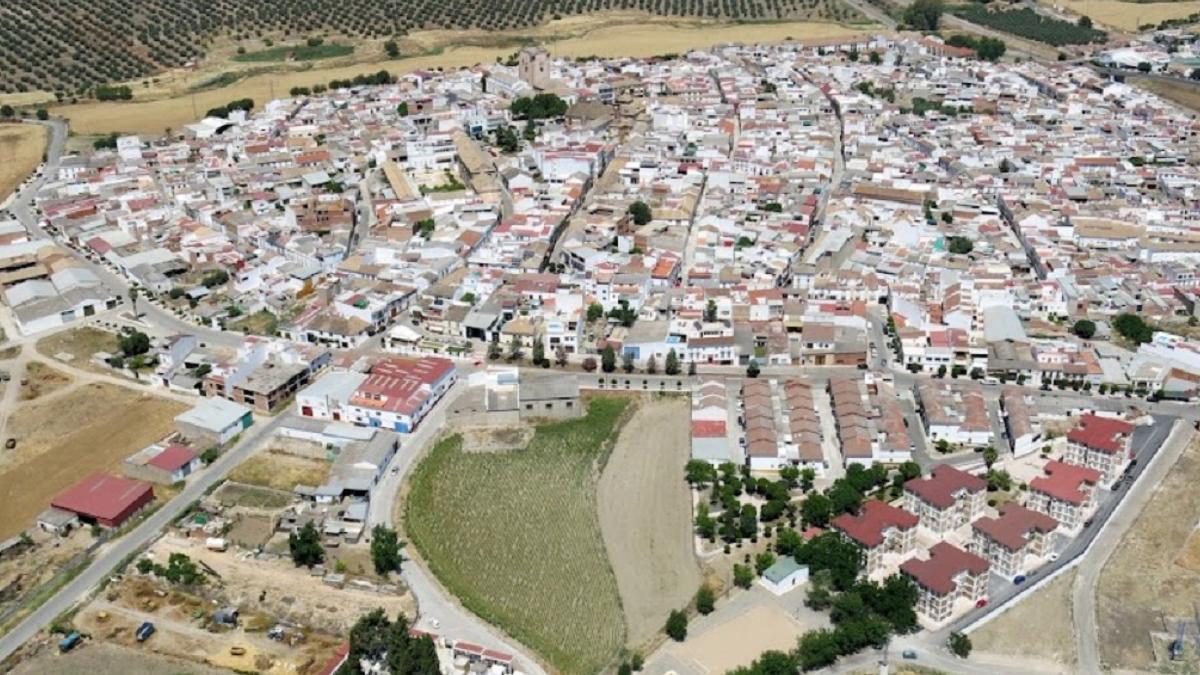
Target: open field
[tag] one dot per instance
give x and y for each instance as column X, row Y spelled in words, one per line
column 110, row 658
column 1143, row 581
column 237, row 494
column 41, row 380
column 1186, row 95
column 1128, row 16
column 174, row 99
column 105, row 425
column 1009, row 635
column 21, row 146
column 516, row 537
column 646, row 517
column 742, row 639
column 296, row 53
column 280, row 471
column 79, row 344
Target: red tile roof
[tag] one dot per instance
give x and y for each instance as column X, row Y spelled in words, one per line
column 1014, row 525
column 940, row 487
column 708, row 429
column 1101, row 433
column 1064, row 481
column 868, row 526
column 173, row 458
column 398, row 384
column 945, row 562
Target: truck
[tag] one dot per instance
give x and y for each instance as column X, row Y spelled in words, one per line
column 216, row 544
column 144, row 631
column 70, row 642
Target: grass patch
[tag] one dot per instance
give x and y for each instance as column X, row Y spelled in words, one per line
column 251, row 496
column 281, row 472
column 296, row 53
column 262, row 322
column 516, row 537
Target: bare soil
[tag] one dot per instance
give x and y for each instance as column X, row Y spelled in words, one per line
column 280, row 471
column 21, row 146
column 1049, row 609
column 81, row 344
column 1144, row 582
column 40, row 380
column 102, row 657
column 645, row 517
column 739, row 641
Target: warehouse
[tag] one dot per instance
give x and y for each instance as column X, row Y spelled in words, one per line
column 105, row 500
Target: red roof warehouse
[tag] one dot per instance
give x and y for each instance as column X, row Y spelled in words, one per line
column 105, row 499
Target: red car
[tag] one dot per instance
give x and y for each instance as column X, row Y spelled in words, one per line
column 982, row 602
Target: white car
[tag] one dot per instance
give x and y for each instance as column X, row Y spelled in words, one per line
column 1053, row 556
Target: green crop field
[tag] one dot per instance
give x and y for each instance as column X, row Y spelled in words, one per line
column 296, row 53
column 516, row 537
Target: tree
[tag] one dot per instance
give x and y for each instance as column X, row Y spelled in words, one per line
column 691, row 369
column 560, row 356
column 875, row 59
column 960, row 245
column 990, row 49
column 1084, row 329
column 627, row 361
column 374, row 639
column 305, row 546
column 672, row 365
column 385, row 550
column 743, row 576
column 392, row 49
column 699, row 473
column 624, row 669
column 215, row 278
column 843, row 559
column 133, row 296
column 589, row 364
column 924, row 15
column 209, row 455
column 7, row 111
column 705, row 600
column 990, row 455
column 710, row 311
column 753, row 370
column 539, row 352
column 817, row 649
column 960, row 644
column 763, row 561
column 651, row 365
column 402, row 109
column 816, row 510
column 608, row 359
column 640, row 212
column 677, row 626
column 594, row 311
column 808, row 476
column 134, row 343
column 1133, row 328
column 790, row 476
column 999, row 480
column 43, row 114
column 844, row 498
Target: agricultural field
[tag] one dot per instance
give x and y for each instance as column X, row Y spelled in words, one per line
column 1029, row 24
column 1184, row 94
column 303, row 52
column 107, row 423
column 515, row 536
column 646, row 517
column 178, row 96
column 1128, row 16
column 1154, row 574
column 21, row 145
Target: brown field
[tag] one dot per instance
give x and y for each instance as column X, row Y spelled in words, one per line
column 740, row 640
column 109, row 658
column 1129, row 15
column 40, row 380
column 1144, row 580
column 105, row 425
column 645, row 517
column 1049, row 609
column 21, row 146
column 173, row 102
column 80, row 344
column 250, row 496
column 1187, row 96
column 280, row 471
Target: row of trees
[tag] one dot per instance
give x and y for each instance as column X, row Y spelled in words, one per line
column 538, row 107
column 986, row 48
column 306, row 550
column 1033, row 25
column 243, row 104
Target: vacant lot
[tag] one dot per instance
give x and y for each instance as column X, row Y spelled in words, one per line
column 90, row 429
column 1182, row 93
column 1129, row 15
column 606, row 34
column 740, row 640
column 1143, row 582
column 21, row 146
column 280, row 471
column 79, row 344
column 645, row 517
column 41, row 380
column 108, row 658
column 250, row 496
column 516, row 537
column 1049, row 609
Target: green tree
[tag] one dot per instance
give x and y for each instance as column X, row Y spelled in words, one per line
column 385, row 550
column 990, row 455
column 640, row 212
column 753, row 370
column 672, row 365
column 960, row 644
column 816, row 510
column 627, row 361
column 817, row 649
column 7, row 111
column 699, row 473
column 134, row 343
column 608, row 359
column 710, row 311
column 677, row 626
column 402, row 109
column 706, row 600
column 594, row 312
column 43, row 114
column 762, row 561
column 808, row 476
column 1133, row 328
column 305, row 546
column 374, row 639
column 924, row 15
column 844, row 497
column 1084, row 329
column 539, row 352
column 960, row 245
column 393, row 50
column 743, row 576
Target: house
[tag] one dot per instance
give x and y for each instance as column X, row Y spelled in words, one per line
column 954, row 414
column 947, row 499
column 214, row 420
column 879, row 528
column 950, row 574
column 1066, row 493
column 399, row 392
column 326, row 398
column 162, row 464
column 107, row 501
column 1007, row 541
column 784, row 575
column 548, row 395
column 1100, row 443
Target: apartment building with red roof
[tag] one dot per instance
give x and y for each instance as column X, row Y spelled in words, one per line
column 946, row 499
column 1007, row 541
column 949, row 574
column 879, row 528
column 1067, row 493
column 1100, row 443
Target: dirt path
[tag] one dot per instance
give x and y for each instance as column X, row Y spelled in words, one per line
column 645, row 517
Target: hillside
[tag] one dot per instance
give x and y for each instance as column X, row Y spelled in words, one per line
column 69, row 47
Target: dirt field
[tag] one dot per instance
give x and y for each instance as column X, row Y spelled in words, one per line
column 21, row 146
column 41, row 380
column 1182, row 94
column 80, row 344
column 739, row 641
column 109, row 658
column 105, row 425
column 608, row 34
column 645, row 517
column 1129, row 15
column 280, row 471
column 236, row 494
column 1143, row 581
column 1049, row 609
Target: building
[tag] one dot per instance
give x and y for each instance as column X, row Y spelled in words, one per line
column 784, row 575
column 105, row 500
column 1066, row 493
column 710, row 423
column 553, row 395
column 1100, row 443
column 879, row 528
column 1008, row 541
column 326, row 398
column 214, row 420
column 947, row 499
column 162, row 464
column 399, row 392
column 954, row 414
column 950, row 574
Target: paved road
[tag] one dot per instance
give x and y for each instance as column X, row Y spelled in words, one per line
column 110, row 556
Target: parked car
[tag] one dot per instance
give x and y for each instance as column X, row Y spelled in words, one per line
column 1019, row 579
column 982, row 602
column 910, row 654
column 68, row 643
column 144, row 631
column 1053, row 556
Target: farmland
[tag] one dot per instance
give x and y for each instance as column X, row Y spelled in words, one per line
column 296, row 53
column 1129, row 15
column 515, row 536
column 1029, row 24
column 21, row 145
